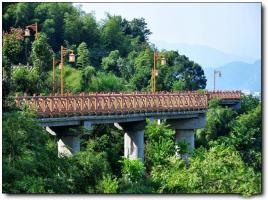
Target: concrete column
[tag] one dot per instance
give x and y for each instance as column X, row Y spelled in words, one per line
column 186, row 135
column 133, row 139
column 185, row 129
column 134, row 145
column 68, row 140
column 68, row 145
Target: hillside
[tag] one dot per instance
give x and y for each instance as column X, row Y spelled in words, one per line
column 207, row 57
column 236, row 76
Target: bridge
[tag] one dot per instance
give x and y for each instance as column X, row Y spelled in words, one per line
column 184, row 111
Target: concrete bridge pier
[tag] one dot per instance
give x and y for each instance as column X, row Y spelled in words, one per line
column 68, row 140
column 185, row 130
column 133, row 139
column 186, row 135
column 68, row 145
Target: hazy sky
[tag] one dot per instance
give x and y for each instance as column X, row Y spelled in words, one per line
column 233, row 28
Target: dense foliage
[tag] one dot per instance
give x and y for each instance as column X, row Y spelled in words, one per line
column 115, row 55
column 115, row 49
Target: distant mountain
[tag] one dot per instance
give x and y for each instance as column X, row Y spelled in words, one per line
column 203, row 55
column 236, row 76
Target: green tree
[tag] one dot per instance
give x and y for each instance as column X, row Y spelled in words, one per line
column 83, row 55
column 112, row 35
column 80, row 27
column 248, row 103
column 104, row 82
column 246, row 136
column 143, row 67
column 88, row 169
column 41, row 53
column 132, row 170
column 159, row 143
column 110, row 63
column 137, row 28
column 6, row 81
column 50, row 18
column 108, row 185
column 30, row 162
column 27, row 80
column 73, row 79
column 87, row 73
column 180, row 73
column 218, row 123
column 12, row 44
column 217, row 170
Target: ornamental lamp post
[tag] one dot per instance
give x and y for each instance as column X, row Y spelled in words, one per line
column 63, row 52
column 216, row 73
column 34, row 27
column 155, row 71
column 54, row 62
column 27, row 32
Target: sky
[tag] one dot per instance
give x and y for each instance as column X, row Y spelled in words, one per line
column 233, row 28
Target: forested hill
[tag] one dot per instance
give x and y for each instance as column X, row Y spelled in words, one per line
column 113, row 55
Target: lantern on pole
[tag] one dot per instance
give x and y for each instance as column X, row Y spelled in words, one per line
column 163, row 61
column 65, row 51
column 33, row 27
column 27, row 32
column 71, row 58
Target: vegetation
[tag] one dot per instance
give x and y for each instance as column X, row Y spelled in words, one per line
column 113, row 56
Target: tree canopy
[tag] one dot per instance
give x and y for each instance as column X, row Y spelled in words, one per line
column 115, row 55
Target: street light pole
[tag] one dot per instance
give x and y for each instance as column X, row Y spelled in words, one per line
column 53, row 76
column 155, row 71
column 61, row 70
column 63, row 52
column 215, row 74
column 27, row 33
column 54, row 62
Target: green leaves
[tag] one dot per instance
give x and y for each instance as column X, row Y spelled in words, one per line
column 83, row 55
column 104, row 82
column 132, row 170
column 12, row 44
column 108, row 185
column 41, row 53
column 220, row 171
column 159, row 143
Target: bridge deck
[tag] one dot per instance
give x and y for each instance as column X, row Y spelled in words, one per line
column 98, row 104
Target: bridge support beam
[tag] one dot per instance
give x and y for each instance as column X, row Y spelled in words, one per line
column 133, row 139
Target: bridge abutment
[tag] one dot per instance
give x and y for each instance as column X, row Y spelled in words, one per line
column 133, row 139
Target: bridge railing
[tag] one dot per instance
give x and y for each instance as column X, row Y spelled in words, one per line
column 225, row 95
column 109, row 103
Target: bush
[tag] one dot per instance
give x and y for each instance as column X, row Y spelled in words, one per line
column 217, row 170
column 133, row 171
column 29, row 155
column 108, row 185
column 159, row 143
